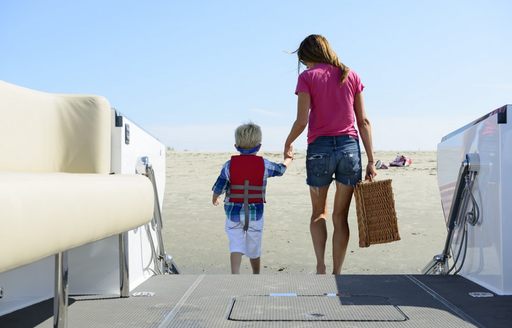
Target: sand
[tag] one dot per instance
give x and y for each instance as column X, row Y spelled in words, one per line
column 194, row 228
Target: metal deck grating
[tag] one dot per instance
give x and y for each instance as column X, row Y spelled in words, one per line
column 207, row 301
column 313, row 308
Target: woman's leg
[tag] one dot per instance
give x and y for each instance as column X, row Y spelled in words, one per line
column 317, row 225
column 341, row 232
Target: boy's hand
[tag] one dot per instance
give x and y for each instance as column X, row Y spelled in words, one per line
column 215, row 200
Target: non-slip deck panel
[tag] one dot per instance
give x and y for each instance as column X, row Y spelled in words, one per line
column 207, row 300
column 314, row 308
column 109, row 311
column 495, row 311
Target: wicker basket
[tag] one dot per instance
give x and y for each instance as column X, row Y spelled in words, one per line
column 376, row 215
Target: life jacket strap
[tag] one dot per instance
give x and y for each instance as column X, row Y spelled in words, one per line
column 246, row 205
column 242, row 187
column 246, row 196
column 250, row 196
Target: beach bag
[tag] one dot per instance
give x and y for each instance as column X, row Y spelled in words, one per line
column 376, row 215
column 400, row 161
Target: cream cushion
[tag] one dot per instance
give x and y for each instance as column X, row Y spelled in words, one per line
column 46, row 213
column 45, row 132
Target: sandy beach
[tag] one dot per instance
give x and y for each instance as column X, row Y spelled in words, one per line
column 194, row 228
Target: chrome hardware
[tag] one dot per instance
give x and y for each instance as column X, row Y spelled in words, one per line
column 438, row 266
column 124, row 266
column 458, row 216
column 143, row 294
column 170, row 265
column 60, row 299
column 142, row 164
column 480, row 294
column 164, row 263
column 127, row 134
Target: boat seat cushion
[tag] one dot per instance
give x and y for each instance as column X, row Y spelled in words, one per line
column 46, row 213
column 46, row 132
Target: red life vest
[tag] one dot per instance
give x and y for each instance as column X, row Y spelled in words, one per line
column 247, row 172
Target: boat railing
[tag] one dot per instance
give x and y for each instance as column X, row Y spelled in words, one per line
column 163, row 262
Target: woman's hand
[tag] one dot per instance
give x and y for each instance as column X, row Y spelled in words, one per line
column 303, row 105
column 288, row 151
column 371, row 172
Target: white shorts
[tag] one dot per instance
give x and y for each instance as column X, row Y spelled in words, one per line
column 245, row 242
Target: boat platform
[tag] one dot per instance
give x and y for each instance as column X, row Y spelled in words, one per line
column 284, row 301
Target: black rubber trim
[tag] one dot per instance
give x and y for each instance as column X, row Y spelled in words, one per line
column 502, row 114
column 119, row 120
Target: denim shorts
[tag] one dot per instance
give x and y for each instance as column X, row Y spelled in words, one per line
column 333, row 156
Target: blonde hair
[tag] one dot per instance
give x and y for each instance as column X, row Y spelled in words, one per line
column 248, row 135
column 315, row 48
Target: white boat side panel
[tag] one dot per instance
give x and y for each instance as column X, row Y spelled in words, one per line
column 451, row 153
column 94, row 268
column 141, row 144
column 27, row 285
column 506, row 200
column 488, row 261
column 483, row 262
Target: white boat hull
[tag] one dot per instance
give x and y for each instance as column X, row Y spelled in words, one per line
column 488, row 261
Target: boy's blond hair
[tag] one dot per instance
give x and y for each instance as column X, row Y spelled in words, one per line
column 248, row 135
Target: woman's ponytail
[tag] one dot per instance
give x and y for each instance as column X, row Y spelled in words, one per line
column 315, row 48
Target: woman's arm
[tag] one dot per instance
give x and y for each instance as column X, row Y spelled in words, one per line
column 303, row 105
column 365, row 129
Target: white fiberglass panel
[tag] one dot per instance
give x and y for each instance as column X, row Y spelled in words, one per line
column 483, row 260
column 94, row 268
column 27, row 285
column 134, row 142
column 488, row 261
column 506, row 200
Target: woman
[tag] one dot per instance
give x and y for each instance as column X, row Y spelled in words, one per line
column 330, row 102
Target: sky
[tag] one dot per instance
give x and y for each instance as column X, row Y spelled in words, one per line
column 191, row 71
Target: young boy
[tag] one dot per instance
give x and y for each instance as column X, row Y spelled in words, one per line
column 244, row 178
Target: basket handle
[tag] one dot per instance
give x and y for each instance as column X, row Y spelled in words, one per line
column 368, row 180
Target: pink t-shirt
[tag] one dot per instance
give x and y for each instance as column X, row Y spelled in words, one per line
column 332, row 105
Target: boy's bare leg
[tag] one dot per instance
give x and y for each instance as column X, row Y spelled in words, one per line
column 236, row 260
column 255, row 265
column 341, row 231
column 317, row 225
